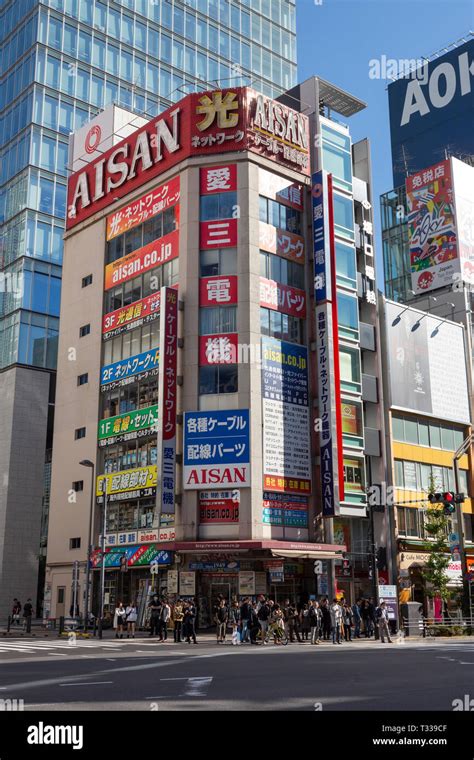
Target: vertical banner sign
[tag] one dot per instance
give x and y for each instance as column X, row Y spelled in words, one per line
column 328, row 372
column 167, row 389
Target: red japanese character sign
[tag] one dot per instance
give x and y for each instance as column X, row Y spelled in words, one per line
column 220, row 290
column 282, row 298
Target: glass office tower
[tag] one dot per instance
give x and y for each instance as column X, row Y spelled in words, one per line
column 62, row 62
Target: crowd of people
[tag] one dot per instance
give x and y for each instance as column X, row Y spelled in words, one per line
column 252, row 620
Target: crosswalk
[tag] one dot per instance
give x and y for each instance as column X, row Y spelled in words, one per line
column 56, row 646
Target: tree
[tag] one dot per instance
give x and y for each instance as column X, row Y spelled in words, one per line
column 436, row 527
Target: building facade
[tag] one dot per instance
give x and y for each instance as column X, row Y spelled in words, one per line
column 63, row 63
column 197, row 388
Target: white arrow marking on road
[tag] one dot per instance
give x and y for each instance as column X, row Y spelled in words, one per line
column 89, row 683
column 197, row 687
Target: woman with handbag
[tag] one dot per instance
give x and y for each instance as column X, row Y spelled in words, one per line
column 131, row 615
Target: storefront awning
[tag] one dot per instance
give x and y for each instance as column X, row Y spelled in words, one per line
column 290, row 549
column 307, row 555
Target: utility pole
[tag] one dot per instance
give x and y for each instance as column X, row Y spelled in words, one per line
column 466, row 600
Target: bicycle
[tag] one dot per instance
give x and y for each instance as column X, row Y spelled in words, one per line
column 275, row 632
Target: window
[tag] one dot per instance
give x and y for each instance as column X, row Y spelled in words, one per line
column 79, row 433
column 354, row 480
column 337, row 156
column 352, row 422
column 218, row 206
column 74, row 543
column 84, row 330
column 87, row 281
column 218, row 261
column 346, row 269
column 218, row 379
column 281, row 326
column 281, row 270
column 423, row 433
column 61, row 592
column 83, row 379
column 219, row 319
column 78, row 485
column 349, row 359
column 344, row 215
column 279, row 215
column 348, row 315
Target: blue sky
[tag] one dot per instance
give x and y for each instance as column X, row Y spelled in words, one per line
column 338, row 38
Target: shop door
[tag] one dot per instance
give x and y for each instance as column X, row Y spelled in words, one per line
column 281, row 591
column 60, row 604
column 224, row 589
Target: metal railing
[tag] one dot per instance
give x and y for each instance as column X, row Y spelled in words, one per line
column 430, row 627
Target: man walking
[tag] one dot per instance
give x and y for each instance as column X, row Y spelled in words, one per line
column 222, row 616
column 357, row 618
column 382, row 620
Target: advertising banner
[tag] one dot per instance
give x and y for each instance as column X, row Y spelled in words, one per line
column 152, row 255
column 218, row 179
column 221, row 290
column 286, row 439
column 218, row 349
column 187, row 584
column 137, row 556
column 388, row 594
column 217, row 507
column 216, row 449
column 167, row 395
column 432, row 228
column 203, row 123
column 149, row 205
column 463, row 182
column 321, row 238
column 226, row 566
column 128, row 484
column 286, row 511
column 418, row 362
column 276, row 571
column 282, row 243
column 128, row 426
column 280, row 189
column 246, row 583
column 129, row 317
column 282, row 298
column 129, row 370
column 172, row 582
column 221, row 233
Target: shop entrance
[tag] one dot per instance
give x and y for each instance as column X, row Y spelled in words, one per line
column 289, row 590
column 210, row 588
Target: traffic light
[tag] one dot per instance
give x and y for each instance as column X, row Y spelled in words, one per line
column 449, row 503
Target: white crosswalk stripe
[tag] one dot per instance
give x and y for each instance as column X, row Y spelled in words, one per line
column 29, row 647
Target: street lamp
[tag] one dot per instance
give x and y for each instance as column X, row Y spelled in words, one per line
column 88, row 463
column 102, row 571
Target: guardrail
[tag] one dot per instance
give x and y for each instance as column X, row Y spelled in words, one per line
column 430, row 627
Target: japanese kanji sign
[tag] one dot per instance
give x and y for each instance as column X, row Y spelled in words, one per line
column 167, row 394
column 218, row 291
column 137, row 556
column 152, row 255
column 128, row 370
column 285, row 511
column 149, row 205
column 129, row 317
column 128, row 426
column 218, row 349
column 219, row 507
column 221, row 233
column 282, row 298
column 321, row 250
column 127, row 484
column 219, row 179
column 216, row 449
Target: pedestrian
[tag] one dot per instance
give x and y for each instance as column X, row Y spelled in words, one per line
column 234, row 617
column 28, row 614
column 119, row 620
column 189, row 622
column 326, row 619
column 253, row 623
column 245, row 613
column 315, row 621
column 278, row 622
column 222, row 616
column 356, row 618
column 305, row 622
column 336, row 617
column 365, row 614
column 155, row 609
column 293, row 624
column 382, row 620
column 132, row 615
column 263, row 618
column 165, row 614
column 347, row 620
column 16, row 612
column 178, row 616
column 372, row 617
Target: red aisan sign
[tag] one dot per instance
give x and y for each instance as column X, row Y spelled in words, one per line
column 153, row 203
column 128, row 317
column 150, row 256
column 232, row 119
column 220, row 290
column 282, row 298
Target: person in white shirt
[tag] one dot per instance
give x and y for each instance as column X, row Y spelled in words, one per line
column 382, row 620
column 132, row 616
column 119, row 620
column 165, row 615
column 336, row 618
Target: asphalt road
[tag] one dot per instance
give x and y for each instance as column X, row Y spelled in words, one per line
column 147, row 676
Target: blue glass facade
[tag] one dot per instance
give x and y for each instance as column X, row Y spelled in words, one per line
column 65, row 60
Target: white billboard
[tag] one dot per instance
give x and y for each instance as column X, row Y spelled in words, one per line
column 106, row 129
column 427, row 364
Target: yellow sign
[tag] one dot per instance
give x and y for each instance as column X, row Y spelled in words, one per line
column 127, row 480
